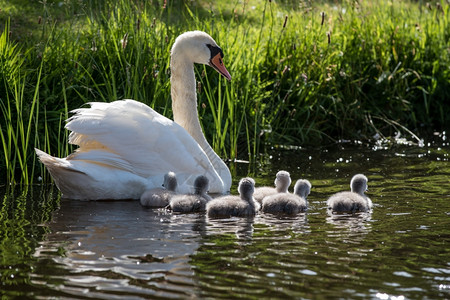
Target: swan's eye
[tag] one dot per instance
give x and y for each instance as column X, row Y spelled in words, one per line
column 214, row 50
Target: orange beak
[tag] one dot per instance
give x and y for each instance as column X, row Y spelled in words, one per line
column 217, row 63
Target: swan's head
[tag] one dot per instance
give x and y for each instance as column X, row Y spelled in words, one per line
column 170, row 181
column 198, row 47
column 246, row 187
column 358, row 184
column 201, row 185
column 282, row 181
column 302, row 188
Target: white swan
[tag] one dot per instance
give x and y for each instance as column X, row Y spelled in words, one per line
column 353, row 201
column 125, row 147
column 160, row 196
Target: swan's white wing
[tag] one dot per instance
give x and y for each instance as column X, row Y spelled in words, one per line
column 131, row 136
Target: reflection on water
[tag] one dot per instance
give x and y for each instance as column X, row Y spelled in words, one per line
column 354, row 224
column 239, row 229
column 120, row 246
column 72, row 249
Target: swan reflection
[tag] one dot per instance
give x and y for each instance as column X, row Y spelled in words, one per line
column 98, row 241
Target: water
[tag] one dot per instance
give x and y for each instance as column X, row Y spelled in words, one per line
column 52, row 248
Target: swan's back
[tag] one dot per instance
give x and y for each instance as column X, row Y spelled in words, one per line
column 235, row 206
column 354, row 201
column 142, row 139
column 348, row 202
column 284, row 203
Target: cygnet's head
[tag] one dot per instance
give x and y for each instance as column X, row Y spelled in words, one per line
column 246, row 187
column 201, row 185
column 199, row 47
column 358, row 184
column 283, row 181
column 170, row 181
column 302, row 188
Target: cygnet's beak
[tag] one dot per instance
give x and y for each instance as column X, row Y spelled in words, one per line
column 217, row 63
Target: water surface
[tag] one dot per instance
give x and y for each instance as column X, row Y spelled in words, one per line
column 61, row 248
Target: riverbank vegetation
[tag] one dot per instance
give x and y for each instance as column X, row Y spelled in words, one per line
column 304, row 72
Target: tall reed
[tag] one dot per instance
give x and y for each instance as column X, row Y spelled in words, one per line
column 20, row 113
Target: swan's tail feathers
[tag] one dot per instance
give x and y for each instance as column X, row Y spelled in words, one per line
column 66, row 177
column 93, row 157
column 47, row 159
column 55, row 165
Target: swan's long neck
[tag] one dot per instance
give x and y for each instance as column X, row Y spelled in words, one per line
column 184, row 106
column 184, row 100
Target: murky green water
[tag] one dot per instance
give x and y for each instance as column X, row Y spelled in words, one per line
column 52, row 248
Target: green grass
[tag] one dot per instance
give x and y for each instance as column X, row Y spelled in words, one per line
column 21, row 113
column 298, row 78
